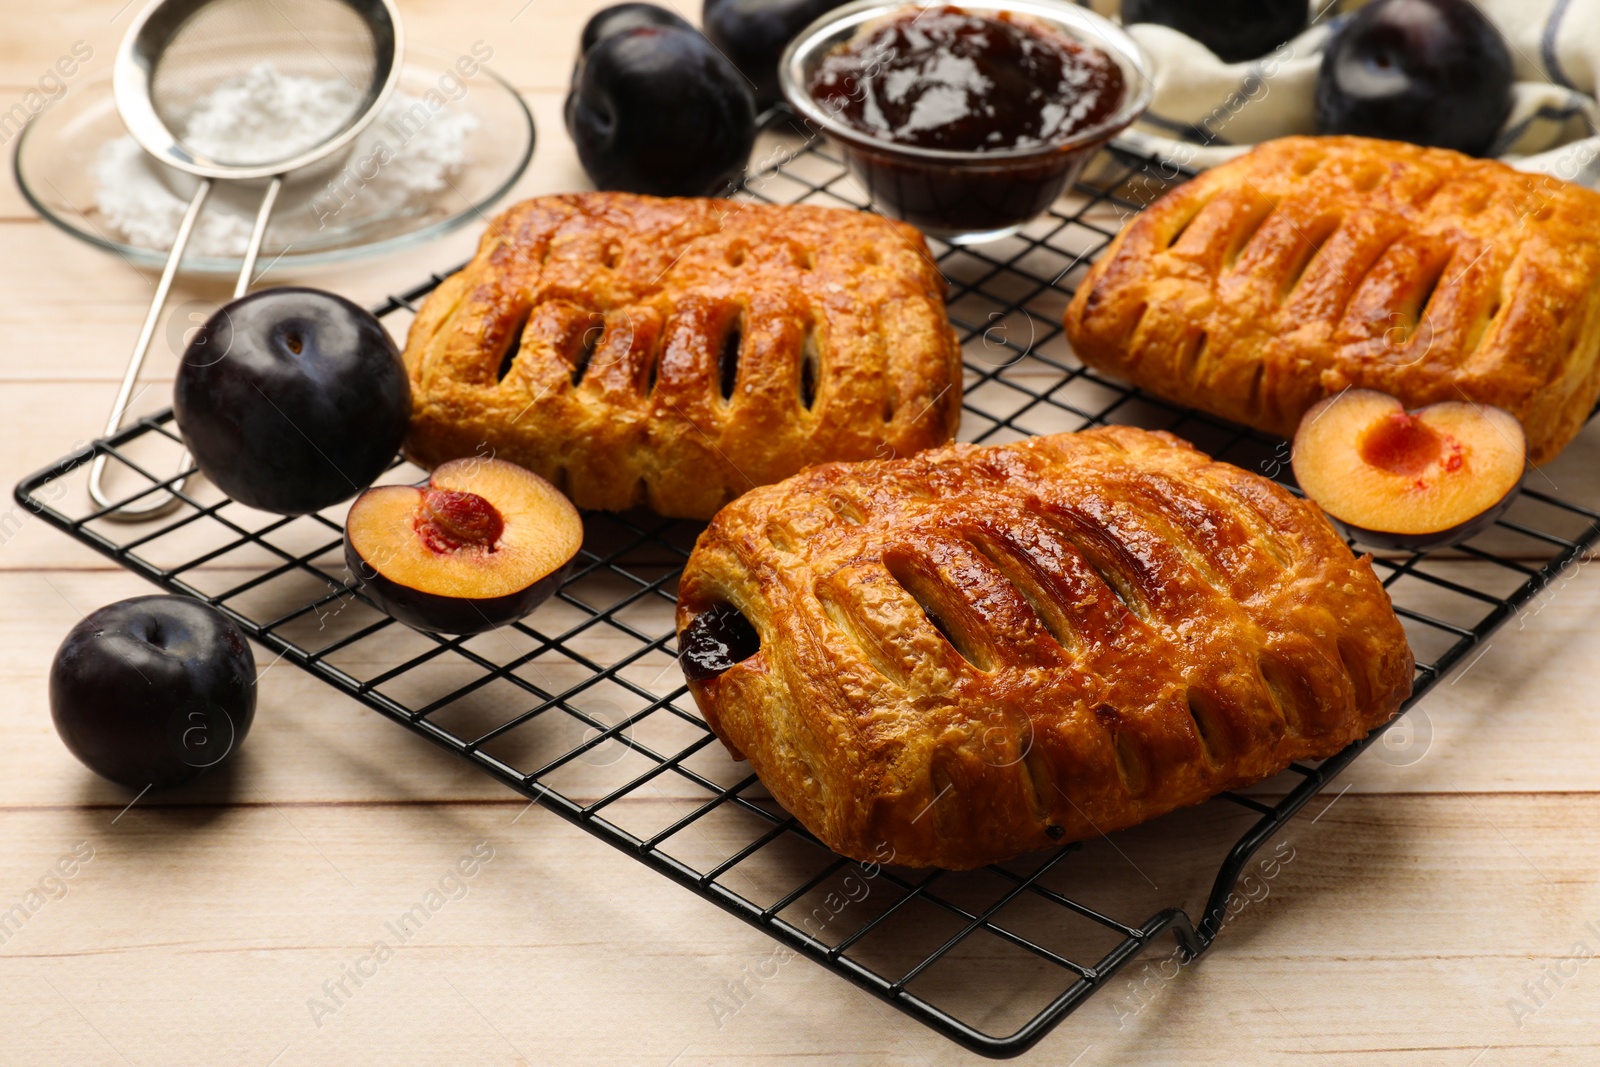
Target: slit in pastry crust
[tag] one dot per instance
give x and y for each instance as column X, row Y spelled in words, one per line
column 1287, row 690
column 1194, row 355
column 1021, row 572
column 810, row 366
column 1253, row 396
column 1105, row 556
column 1259, row 211
column 513, row 343
column 1311, row 241
column 1131, row 768
column 1368, row 179
column 1196, row 206
column 943, row 607
column 846, row 509
column 652, row 362
column 1036, row 772
column 1417, row 324
column 592, row 337
column 1308, row 163
column 861, row 634
column 728, row 356
column 780, row 538
column 1358, row 666
column 1178, row 531
column 1208, row 727
column 1133, row 325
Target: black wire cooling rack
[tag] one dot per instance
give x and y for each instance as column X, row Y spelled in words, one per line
column 581, row 707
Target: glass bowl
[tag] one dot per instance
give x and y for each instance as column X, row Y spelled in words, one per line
column 957, row 196
column 363, row 204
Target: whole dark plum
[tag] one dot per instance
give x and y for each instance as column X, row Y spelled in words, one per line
column 658, row 110
column 153, row 690
column 292, row 399
column 619, row 17
column 1433, row 72
column 1236, row 30
column 754, row 33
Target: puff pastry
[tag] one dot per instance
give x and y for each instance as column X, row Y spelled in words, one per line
column 676, row 352
column 978, row 651
column 1315, row 264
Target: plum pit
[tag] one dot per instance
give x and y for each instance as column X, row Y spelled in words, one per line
column 449, row 520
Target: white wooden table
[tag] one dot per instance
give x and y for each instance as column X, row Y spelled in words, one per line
column 1438, row 911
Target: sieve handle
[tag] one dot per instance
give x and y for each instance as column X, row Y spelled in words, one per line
column 242, row 286
column 163, row 502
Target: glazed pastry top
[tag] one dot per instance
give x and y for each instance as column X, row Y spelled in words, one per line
column 976, row 651
column 676, row 352
column 1313, row 264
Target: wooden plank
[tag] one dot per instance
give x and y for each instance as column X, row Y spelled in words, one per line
column 555, row 937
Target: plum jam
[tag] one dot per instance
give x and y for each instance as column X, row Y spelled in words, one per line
column 715, row 640
column 968, row 124
column 944, row 78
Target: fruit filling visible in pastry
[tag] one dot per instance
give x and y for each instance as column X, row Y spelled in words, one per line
column 715, row 640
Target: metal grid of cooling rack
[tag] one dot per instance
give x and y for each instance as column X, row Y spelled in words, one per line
column 581, row 708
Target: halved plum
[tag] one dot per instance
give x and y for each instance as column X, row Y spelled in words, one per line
column 480, row 544
column 1409, row 480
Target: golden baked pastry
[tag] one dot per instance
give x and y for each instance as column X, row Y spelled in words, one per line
column 674, row 353
column 1314, row 264
column 978, row 651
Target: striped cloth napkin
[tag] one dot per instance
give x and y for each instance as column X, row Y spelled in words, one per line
column 1206, row 111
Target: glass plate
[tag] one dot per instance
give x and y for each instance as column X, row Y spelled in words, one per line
column 345, row 211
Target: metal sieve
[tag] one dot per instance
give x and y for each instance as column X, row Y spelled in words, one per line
column 177, row 55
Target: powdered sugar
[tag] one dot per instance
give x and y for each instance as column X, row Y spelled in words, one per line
column 394, row 169
column 140, row 209
column 265, row 116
